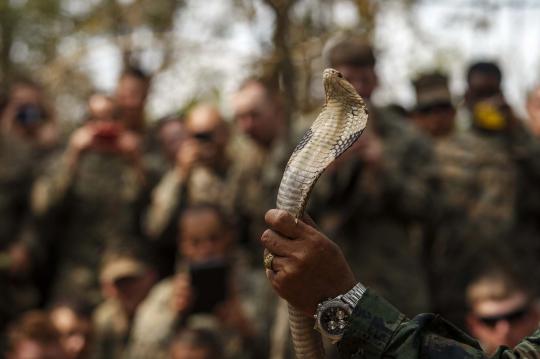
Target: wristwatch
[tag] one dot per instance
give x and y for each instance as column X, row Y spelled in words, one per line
column 332, row 315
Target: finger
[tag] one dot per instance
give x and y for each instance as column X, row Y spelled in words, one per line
column 277, row 244
column 285, row 224
column 309, row 221
column 274, row 278
column 279, row 264
column 270, row 275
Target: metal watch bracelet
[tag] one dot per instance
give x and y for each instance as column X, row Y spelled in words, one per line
column 353, row 296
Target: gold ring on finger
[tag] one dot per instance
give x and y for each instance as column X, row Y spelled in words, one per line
column 268, row 258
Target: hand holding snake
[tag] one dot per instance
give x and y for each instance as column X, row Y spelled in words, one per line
column 337, row 127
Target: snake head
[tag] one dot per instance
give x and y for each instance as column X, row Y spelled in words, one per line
column 337, row 87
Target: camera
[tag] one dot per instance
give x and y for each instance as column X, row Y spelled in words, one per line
column 107, row 132
column 29, row 115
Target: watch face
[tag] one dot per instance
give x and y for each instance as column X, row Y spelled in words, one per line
column 333, row 318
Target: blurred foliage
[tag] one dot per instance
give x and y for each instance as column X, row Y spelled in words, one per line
column 34, row 35
column 298, row 40
column 51, row 39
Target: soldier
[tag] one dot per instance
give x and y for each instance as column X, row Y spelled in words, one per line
column 501, row 310
column 127, row 276
column 480, row 171
column 506, row 150
column 373, row 194
column 264, row 145
column 93, row 188
column 28, row 133
column 484, row 79
column 211, row 289
column 307, row 268
column 434, row 113
column 130, row 96
column 204, row 172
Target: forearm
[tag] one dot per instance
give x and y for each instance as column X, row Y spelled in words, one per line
column 166, row 198
column 377, row 329
column 50, row 188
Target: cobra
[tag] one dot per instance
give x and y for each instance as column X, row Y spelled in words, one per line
column 337, row 127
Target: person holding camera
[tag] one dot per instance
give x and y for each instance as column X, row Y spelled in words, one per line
column 28, row 133
column 90, row 194
column 204, row 172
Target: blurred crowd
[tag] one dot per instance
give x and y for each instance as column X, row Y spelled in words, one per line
column 131, row 238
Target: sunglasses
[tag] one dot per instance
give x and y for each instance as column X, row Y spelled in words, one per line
column 511, row 317
column 203, row 136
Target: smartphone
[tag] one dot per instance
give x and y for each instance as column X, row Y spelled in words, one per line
column 209, row 281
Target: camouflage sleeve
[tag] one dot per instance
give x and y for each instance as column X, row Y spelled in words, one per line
column 377, row 329
column 51, row 186
column 154, row 324
column 166, row 197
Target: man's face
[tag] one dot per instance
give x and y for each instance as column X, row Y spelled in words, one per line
column 25, row 95
column 187, row 351
column 202, row 237
column 31, row 349
column 481, row 87
column 102, row 108
column 171, row 135
column 363, row 78
column 502, row 322
column 130, row 291
column 131, row 97
column 75, row 332
column 436, row 120
column 257, row 115
column 206, row 127
column 25, row 109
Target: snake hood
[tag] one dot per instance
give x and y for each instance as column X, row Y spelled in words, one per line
column 339, row 124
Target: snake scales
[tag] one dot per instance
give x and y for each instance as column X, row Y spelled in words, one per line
column 337, row 127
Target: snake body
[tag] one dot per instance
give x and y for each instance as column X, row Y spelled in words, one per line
column 337, row 127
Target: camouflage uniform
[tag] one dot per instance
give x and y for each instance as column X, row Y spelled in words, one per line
column 479, row 204
column 156, row 323
column 203, row 185
column 371, row 211
column 19, row 161
column 377, row 329
column 245, row 189
column 92, row 209
column 112, row 328
column 263, row 171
